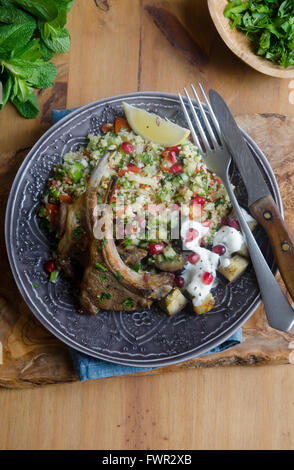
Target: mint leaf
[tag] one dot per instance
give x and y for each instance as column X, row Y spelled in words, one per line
column 66, row 4
column 47, row 53
column 44, row 10
column 31, row 31
column 38, row 74
column 21, row 90
column 29, row 109
column 31, row 51
column 7, row 87
column 19, row 34
column 12, row 15
column 55, row 38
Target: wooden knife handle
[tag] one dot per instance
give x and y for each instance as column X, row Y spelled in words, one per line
column 267, row 214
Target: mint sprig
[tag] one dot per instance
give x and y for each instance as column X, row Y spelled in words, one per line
column 30, row 34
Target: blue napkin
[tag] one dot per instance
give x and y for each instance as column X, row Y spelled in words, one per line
column 91, row 368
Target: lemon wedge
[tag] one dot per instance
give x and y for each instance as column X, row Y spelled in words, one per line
column 152, row 127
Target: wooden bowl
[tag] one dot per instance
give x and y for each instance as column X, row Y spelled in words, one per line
column 240, row 44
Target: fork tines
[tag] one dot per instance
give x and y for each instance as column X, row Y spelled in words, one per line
column 206, row 136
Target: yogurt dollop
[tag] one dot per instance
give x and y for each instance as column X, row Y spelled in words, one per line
column 191, row 234
column 193, row 275
column 231, row 239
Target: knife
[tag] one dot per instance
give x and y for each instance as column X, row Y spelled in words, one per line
column 261, row 204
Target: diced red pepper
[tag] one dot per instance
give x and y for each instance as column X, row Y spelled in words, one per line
column 52, row 210
column 174, row 149
column 65, row 198
column 172, row 156
column 106, row 128
column 176, row 168
column 121, row 123
column 131, row 167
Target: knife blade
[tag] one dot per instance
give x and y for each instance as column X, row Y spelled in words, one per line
column 242, row 156
column 260, row 202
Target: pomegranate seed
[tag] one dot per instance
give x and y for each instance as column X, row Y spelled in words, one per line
column 174, row 149
column 50, row 266
column 176, row 168
column 179, row 281
column 193, row 258
column 172, row 156
column 156, row 248
column 199, row 200
column 234, row 224
column 192, row 233
column 127, row 147
column 219, row 249
column 206, row 223
column 207, row 278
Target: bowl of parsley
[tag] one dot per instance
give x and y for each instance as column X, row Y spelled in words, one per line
column 260, row 32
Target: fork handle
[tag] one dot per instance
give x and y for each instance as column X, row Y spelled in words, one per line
column 267, row 214
column 279, row 312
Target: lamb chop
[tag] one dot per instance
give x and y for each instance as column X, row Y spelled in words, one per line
column 107, row 282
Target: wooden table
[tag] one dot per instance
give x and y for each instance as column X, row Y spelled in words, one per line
column 117, row 47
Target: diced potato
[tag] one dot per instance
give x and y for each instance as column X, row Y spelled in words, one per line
column 243, row 251
column 236, row 268
column 252, row 223
column 174, row 302
column 207, row 305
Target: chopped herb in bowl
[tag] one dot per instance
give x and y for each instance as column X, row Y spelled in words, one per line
column 269, row 24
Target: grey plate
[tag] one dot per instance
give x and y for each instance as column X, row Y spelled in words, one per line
column 146, row 338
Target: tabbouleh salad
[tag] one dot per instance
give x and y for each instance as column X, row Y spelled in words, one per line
column 148, row 174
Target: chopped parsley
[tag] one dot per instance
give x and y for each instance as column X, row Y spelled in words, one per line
column 105, row 296
column 77, row 232
column 129, row 302
column 127, row 241
column 120, row 276
column 269, row 24
column 136, row 267
column 100, row 267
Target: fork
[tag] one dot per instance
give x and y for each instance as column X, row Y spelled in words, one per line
column 217, row 158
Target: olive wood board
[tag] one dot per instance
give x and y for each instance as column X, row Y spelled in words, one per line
column 31, row 356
